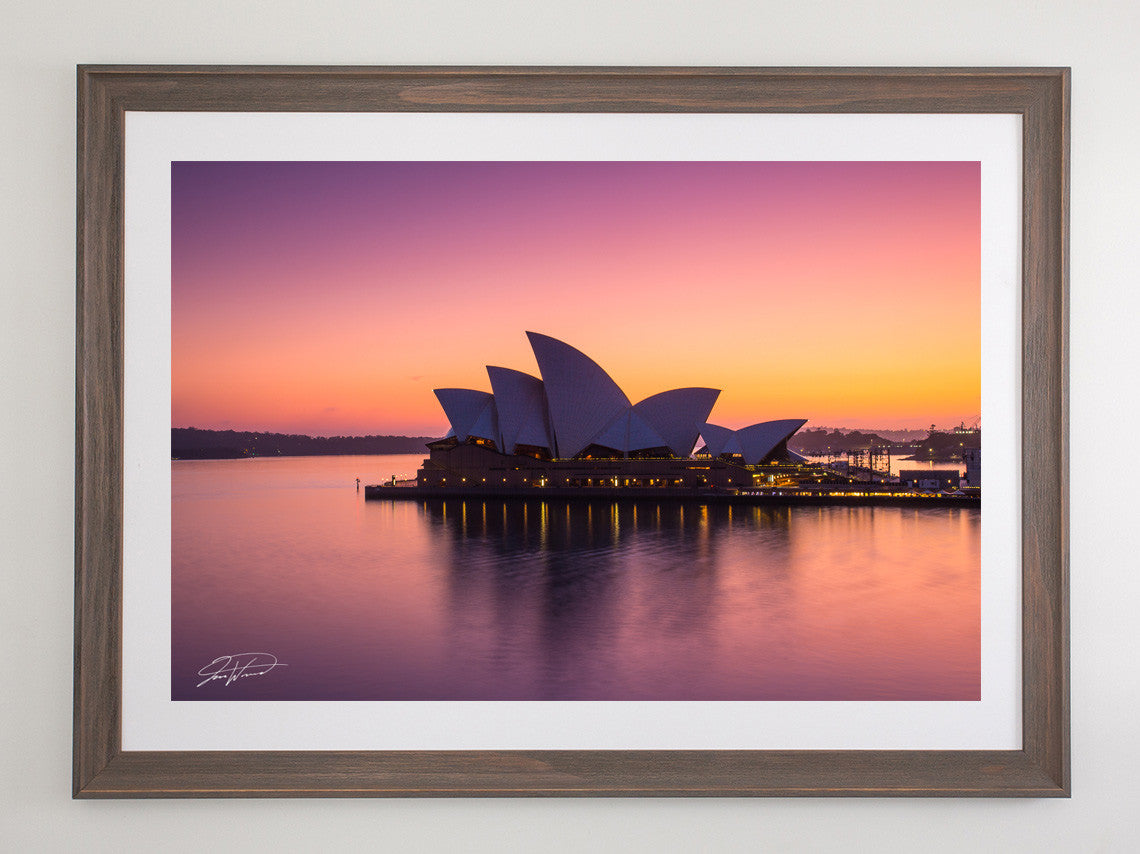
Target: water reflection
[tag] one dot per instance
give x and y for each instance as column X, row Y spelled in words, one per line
column 582, row 580
column 510, row 599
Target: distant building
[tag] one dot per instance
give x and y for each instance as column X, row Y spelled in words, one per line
column 973, row 457
column 929, row 478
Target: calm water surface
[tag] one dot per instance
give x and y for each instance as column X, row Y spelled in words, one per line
column 506, row 599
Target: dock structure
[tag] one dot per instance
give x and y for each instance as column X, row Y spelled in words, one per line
column 769, row 497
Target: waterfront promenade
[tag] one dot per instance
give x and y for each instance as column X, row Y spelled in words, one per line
column 771, row 497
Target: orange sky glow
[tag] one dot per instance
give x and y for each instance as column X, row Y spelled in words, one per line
column 332, row 298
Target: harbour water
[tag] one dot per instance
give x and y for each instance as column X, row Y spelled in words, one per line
column 548, row 600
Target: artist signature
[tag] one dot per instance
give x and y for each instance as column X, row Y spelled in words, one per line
column 232, row 667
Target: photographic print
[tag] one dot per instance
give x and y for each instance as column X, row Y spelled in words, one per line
column 590, row 430
column 722, row 335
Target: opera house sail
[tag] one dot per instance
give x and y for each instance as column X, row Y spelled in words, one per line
column 572, row 427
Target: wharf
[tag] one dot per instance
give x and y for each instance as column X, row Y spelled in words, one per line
column 786, row 497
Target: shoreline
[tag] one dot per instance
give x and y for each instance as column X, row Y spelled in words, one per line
column 293, row 456
column 850, row 498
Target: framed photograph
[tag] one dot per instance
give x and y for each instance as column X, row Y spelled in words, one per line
column 571, row 432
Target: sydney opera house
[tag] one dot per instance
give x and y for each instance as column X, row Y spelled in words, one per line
column 574, row 429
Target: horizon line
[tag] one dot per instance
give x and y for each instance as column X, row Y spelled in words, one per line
column 281, row 432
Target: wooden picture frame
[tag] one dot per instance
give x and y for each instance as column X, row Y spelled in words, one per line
column 102, row 769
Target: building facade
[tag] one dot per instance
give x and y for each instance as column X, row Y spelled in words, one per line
column 929, row 478
column 973, row 457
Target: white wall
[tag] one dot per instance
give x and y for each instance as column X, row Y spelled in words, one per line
column 40, row 43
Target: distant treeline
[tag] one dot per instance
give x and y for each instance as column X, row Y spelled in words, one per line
column 819, row 442
column 935, row 446
column 190, row 443
column 947, row 446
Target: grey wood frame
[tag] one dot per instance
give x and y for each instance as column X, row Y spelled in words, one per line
column 103, row 770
